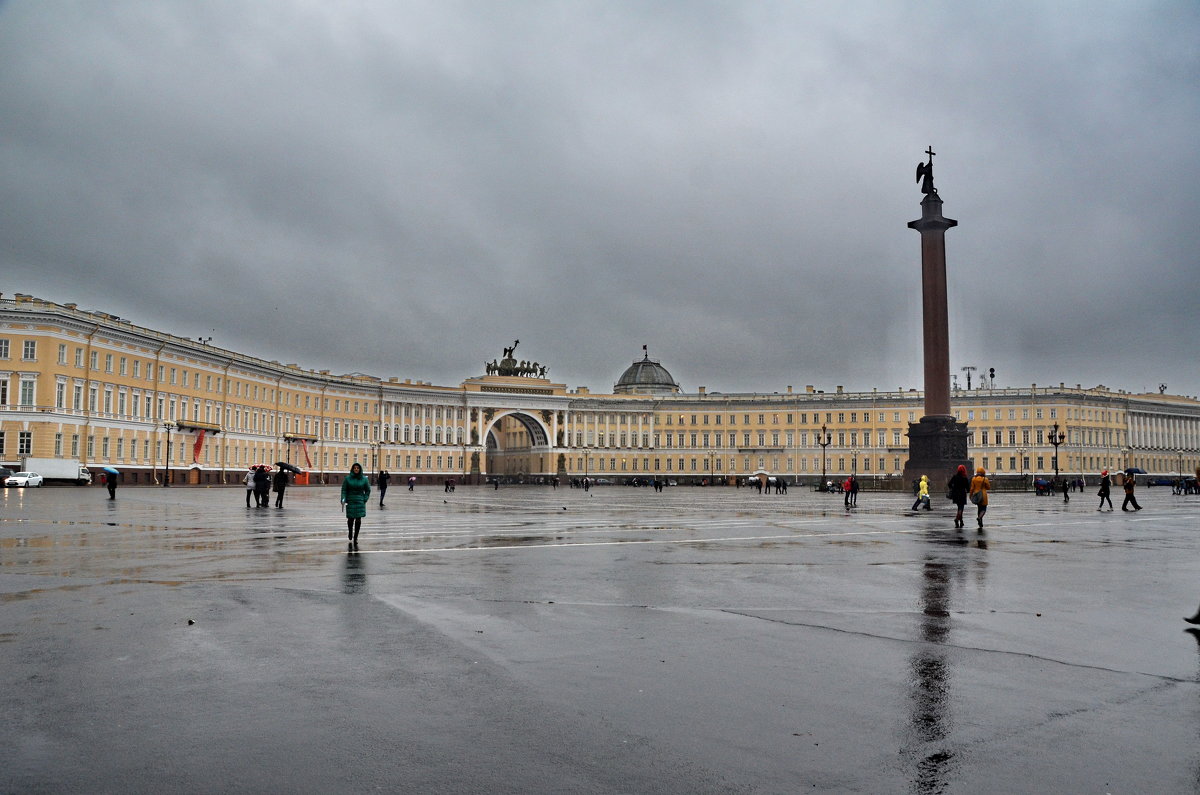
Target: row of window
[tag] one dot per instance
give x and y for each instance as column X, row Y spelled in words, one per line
column 120, row 450
column 28, row 350
column 843, row 438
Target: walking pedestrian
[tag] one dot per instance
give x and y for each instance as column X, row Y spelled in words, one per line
column 412, row 482
column 922, row 494
column 249, row 481
column 279, row 486
column 958, row 486
column 980, row 486
column 110, row 480
column 1130, row 484
column 1105, row 490
column 382, row 480
column 853, row 491
column 1066, row 484
column 356, row 490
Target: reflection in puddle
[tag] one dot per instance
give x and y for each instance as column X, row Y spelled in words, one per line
column 354, row 573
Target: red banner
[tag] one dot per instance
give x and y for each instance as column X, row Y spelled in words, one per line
column 198, row 446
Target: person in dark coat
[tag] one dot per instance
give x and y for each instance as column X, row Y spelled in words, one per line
column 110, row 480
column 279, row 485
column 262, row 487
column 382, row 482
column 1105, row 491
column 356, row 490
column 958, row 486
column 1129, row 498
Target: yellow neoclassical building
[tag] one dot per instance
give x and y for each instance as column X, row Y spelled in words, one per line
column 96, row 388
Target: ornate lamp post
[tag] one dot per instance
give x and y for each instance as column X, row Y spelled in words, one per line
column 1021, row 462
column 824, row 439
column 1180, row 454
column 712, row 467
column 854, row 462
column 167, row 462
column 1057, row 437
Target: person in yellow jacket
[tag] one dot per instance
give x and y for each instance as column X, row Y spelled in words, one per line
column 922, row 494
column 980, row 485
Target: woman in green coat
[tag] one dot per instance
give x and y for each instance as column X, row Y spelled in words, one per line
column 356, row 490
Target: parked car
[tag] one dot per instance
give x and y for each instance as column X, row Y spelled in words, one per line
column 31, row 479
column 5, row 474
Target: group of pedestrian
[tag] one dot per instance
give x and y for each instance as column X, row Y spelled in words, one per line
column 1129, row 484
column 975, row 490
column 850, row 489
column 259, row 484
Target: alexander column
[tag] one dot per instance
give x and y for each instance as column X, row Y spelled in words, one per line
column 938, row 443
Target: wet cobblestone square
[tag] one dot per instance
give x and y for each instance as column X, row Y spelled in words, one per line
column 617, row 640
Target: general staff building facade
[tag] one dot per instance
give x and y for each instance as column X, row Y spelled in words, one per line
column 90, row 386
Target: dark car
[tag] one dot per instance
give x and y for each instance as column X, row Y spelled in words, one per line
column 5, row 473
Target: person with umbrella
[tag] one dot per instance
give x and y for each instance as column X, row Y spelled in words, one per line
column 279, row 485
column 262, row 487
column 356, row 490
column 1130, row 483
column 110, row 480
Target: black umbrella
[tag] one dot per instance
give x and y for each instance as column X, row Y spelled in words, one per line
column 1135, row 471
column 284, row 465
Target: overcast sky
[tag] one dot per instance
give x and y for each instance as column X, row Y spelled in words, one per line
column 403, row 188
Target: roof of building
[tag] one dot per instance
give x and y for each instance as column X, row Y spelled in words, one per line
column 646, row 377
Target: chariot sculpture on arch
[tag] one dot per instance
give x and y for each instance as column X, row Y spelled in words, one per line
column 509, row 366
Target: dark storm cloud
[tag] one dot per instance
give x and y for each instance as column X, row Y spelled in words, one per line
column 401, row 188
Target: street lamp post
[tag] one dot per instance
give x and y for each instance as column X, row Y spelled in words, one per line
column 167, row 462
column 1057, row 437
column 854, row 462
column 712, row 467
column 824, row 439
column 1021, row 462
column 1180, row 454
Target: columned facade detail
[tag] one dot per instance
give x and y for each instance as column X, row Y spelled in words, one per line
column 96, row 388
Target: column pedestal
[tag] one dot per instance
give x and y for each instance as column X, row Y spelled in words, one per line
column 936, row 446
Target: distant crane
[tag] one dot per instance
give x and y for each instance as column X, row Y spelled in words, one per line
column 968, row 370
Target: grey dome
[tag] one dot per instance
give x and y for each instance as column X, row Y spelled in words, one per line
column 645, row 377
